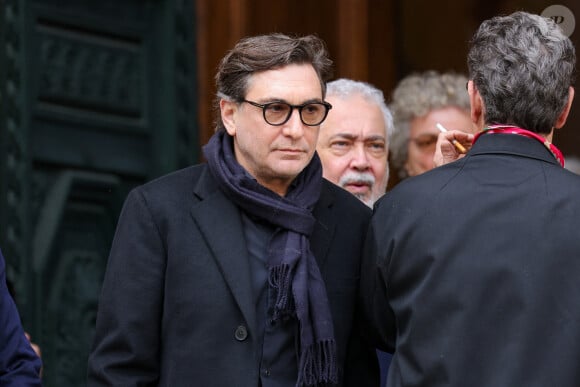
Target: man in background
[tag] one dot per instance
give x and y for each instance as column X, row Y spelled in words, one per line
column 353, row 144
column 419, row 102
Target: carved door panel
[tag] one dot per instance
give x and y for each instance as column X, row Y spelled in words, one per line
column 96, row 96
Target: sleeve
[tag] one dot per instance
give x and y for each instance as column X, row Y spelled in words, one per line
column 362, row 368
column 378, row 317
column 19, row 365
column 126, row 346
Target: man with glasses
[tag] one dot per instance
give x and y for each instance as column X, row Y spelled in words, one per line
column 242, row 271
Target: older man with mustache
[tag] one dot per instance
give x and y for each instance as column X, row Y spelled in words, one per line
column 353, row 145
column 353, row 141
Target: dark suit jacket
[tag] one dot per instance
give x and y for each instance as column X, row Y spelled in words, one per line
column 19, row 365
column 477, row 274
column 177, row 307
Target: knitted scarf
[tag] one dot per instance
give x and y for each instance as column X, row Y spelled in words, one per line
column 294, row 275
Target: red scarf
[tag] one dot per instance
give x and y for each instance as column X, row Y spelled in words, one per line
column 526, row 133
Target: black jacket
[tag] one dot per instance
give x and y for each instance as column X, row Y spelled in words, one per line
column 177, row 307
column 473, row 271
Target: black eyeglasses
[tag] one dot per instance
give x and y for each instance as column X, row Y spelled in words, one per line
column 278, row 113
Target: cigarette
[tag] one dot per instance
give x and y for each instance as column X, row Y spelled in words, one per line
column 457, row 144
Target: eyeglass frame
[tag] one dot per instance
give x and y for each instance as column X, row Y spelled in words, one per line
column 327, row 107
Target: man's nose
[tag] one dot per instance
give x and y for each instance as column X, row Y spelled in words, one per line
column 294, row 127
column 360, row 159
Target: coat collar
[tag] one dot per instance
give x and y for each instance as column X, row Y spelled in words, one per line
column 512, row 144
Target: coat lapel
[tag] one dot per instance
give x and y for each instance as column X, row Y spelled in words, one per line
column 220, row 223
column 324, row 229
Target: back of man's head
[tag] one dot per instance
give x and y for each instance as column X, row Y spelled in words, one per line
column 522, row 66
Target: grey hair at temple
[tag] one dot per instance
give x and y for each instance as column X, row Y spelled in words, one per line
column 522, row 65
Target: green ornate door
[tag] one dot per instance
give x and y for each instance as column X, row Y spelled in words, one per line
column 96, row 96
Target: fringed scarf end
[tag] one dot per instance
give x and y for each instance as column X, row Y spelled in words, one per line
column 281, row 281
column 318, row 364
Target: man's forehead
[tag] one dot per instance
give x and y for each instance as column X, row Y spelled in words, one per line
column 286, row 79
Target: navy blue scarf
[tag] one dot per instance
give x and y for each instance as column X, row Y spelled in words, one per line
column 294, row 275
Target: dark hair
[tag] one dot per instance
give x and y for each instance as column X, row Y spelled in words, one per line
column 266, row 52
column 522, row 65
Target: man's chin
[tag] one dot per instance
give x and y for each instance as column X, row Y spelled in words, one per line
column 366, row 198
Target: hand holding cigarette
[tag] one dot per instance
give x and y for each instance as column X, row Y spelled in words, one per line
column 451, row 145
column 457, row 144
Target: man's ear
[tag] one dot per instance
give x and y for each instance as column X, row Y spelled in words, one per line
column 228, row 111
column 564, row 115
column 476, row 105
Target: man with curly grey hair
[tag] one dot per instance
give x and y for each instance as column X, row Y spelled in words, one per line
column 471, row 270
column 419, row 102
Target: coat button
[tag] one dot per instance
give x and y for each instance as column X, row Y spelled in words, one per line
column 241, row 333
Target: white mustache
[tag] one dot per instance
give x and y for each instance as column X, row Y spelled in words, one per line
column 358, row 178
